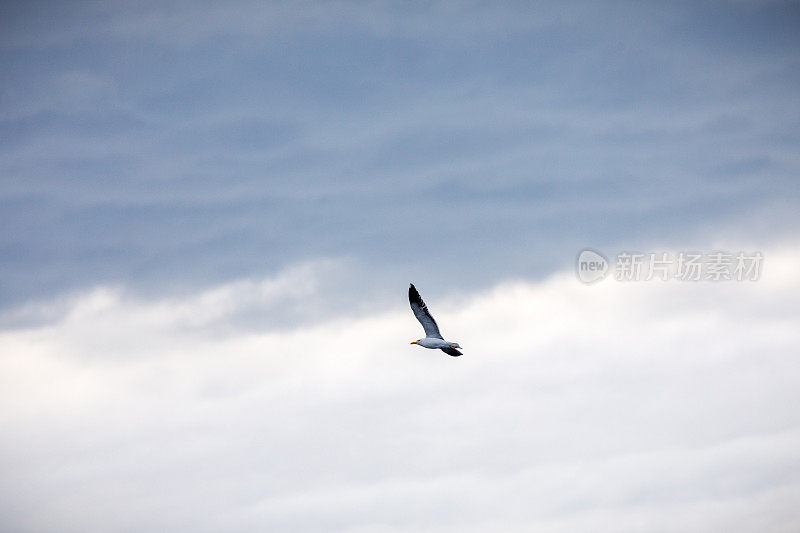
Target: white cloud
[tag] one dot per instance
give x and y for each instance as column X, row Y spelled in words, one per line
column 614, row 407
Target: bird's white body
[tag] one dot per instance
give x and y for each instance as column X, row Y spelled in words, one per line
column 434, row 344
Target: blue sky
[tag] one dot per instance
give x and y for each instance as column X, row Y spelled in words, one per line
column 213, row 210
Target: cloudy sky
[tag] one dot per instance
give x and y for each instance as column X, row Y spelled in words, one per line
column 211, row 213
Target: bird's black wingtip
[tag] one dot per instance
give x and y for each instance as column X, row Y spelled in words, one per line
column 413, row 294
column 452, row 352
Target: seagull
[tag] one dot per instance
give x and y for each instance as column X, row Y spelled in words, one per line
column 433, row 339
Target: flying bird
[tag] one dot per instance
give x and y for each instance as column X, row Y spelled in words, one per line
column 433, row 339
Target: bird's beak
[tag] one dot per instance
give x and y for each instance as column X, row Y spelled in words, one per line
column 413, row 342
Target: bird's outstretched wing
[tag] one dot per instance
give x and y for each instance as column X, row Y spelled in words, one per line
column 451, row 351
column 422, row 314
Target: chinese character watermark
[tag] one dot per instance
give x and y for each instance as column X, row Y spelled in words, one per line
column 716, row 265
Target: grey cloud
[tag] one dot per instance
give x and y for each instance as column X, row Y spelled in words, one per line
column 197, row 144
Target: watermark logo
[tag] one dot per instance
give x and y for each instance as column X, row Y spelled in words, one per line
column 591, row 266
column 717, row 265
